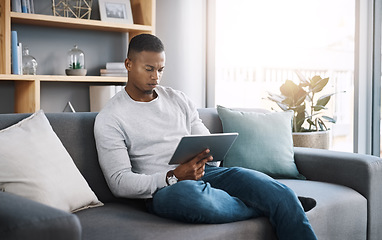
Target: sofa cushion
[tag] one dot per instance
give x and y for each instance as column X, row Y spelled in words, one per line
column 39, row 168
column 340, row 213
column 85, row 157
column 264, row 142
column 130, row 220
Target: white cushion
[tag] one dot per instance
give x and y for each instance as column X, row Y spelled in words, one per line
column 34, row 164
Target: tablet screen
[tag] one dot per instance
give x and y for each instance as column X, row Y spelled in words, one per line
column 191, row 145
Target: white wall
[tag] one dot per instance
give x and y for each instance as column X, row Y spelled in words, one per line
column 181, row 25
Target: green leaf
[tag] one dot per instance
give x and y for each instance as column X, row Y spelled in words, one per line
column 299, row 109
column 283, row 107
column 322, row 125
column 289, row 89
column 303, row 81
column 301, row 98
column 318, row 83
column 318, row 108
column 275, row 97
column 300, row 118
column 295, row 94
column 75, row 65
column 315, row 80
column 329, row 119
column 323, row 100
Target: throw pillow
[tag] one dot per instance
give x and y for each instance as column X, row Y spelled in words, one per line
column 264, row 143
column 34, row 164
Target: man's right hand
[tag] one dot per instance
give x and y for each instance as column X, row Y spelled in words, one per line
column 193, row 169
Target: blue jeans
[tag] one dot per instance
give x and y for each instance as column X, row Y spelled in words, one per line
column 233, row 194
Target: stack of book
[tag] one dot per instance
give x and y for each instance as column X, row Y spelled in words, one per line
column 24, row 6
column 16, row 54
column 114, row 69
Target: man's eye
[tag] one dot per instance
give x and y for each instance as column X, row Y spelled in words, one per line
column 149, row 69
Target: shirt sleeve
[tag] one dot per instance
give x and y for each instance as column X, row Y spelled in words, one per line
column 197, row 126
column 116, row 166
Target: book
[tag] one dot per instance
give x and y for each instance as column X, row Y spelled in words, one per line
column 20, row 57
column 31, row 4
column 14, row 53
column 115, row 65
column 24, row 6
column 16, row 5
column 114, row 74
column 113, row 71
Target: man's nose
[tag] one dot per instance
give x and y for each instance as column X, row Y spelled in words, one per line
column 155, row 75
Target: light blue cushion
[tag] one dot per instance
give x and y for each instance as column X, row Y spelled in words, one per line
column 264, row 143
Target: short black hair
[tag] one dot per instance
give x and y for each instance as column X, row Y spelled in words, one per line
column 144, row 42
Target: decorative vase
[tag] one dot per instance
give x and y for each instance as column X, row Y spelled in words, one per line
column 29, row 63
column 318, row 139
column 76, row 62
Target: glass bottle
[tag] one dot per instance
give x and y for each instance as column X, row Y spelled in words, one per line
column 29, row 63
column 76, row 58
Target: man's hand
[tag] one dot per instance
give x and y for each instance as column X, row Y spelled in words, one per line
column 193, row 169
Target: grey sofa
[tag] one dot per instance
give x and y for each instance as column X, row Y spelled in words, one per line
column 346, row 186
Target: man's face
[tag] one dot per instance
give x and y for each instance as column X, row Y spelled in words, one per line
column 145, row 71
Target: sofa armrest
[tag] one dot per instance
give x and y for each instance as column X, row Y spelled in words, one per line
column 21, row 218
column 360, row 172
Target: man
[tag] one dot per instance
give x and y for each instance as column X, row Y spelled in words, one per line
column 137, row 133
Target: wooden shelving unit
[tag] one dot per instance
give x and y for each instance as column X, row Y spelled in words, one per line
column 62, row 22
column 62, row 78
column 27, row 87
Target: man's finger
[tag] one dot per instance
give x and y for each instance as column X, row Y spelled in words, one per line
column 201, row 156
column 205, row 160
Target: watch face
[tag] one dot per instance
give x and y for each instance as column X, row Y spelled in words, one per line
column 172, row 180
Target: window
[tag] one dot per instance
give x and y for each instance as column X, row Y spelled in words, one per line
column 260, row 44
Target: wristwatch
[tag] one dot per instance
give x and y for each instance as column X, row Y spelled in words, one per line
column 171, row 178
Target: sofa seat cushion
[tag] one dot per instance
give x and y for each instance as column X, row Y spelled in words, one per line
column 132, row 221
column 341, row 212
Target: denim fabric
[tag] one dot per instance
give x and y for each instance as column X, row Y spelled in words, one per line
column 233, row 194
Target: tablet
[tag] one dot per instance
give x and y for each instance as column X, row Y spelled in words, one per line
column 191, row 145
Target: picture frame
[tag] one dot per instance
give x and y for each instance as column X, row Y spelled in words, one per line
column 118, row 11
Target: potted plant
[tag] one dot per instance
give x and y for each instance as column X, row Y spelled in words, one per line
column 309, row 128
column 76, row 62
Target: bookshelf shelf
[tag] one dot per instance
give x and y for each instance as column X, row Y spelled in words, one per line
column 62, row 78
column 27, row 87
column 64, row 22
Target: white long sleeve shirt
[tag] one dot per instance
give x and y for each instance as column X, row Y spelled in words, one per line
column 135, row 140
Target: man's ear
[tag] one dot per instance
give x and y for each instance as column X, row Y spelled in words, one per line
column 128, row 64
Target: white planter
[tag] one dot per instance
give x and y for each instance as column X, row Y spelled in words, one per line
column 318, row 139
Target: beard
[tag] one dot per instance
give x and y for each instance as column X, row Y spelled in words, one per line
column 149, row 92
